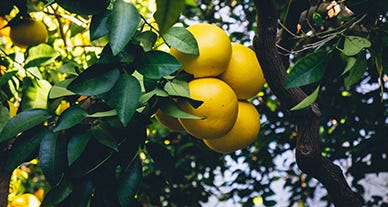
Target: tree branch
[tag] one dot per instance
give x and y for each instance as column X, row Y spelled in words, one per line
column 308, row 154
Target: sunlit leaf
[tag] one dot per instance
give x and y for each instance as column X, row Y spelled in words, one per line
column 182, row 40
column 350, row 61
column 357, row 71
column 40, row 55
column 307, row 101
column 354, row 44
column 177, row 88
column 60, row 89
column 167, row 13
column 35, row 94
column 156, row 64
column 109, row 113
column 170, row 108
column 7, row 76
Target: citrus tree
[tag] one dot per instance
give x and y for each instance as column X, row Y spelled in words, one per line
column 136, row 103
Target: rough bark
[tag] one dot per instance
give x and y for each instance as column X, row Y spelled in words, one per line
column 308, row 155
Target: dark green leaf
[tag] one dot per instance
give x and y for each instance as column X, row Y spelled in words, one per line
column 23, row 148
column 156, row 64
column 124, row 97
column 35, row 94
column 82, row 193
column 76, row 146
column 354, row 44
column 163, row 159
column 97, row 79
column 58, row 193
column 52, row 157
column 170, row 108
column 60, row 89
column 307, row 101
column 104, row 136
column 128, row 183
column 7, row 76
column 23, row 121
column 357, row 71
column 4, row 116
column 124, row 22
column 308, row 69
column 177, row 88
column 99, row 25
column 84, row 6
column 40, row 55
column 147, row 39
column 70, row 117
column 182, row 40
column 167, row 13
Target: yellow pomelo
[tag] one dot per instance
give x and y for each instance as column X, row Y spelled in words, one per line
column 168, row 121
column 28, row 32
column 219, row 108
column 243, row 133
column 214, row 51
column 244, row 72
column 25, row 200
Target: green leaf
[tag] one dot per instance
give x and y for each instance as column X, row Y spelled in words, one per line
column 124, row 97
column 23, row 121
column 147, row 39
column 99, row 25
column 4, row 116
column 82, row 193
column 350, row 61
column 23, row 148
column 170, row 108
column 76, row 146
column 124, row 22
column 354, row 44
column 156, row 64
column 84, row 6
column 99, row 114
column 308, row 69
column 307, row 101
column 177, row 88
column 162, row 159
column 357, row 71
column 39, row 55
column 52, row 157
column 156, row 92
column 104, row 136
column 35, row 94
column 191, row 3
column 167, row 13
column 70, row 117
column 69, row 68
column 58, row 193
column 60, row 89
column 128, row 184
column 7, row 76
column 182, row 40
column 97, row 79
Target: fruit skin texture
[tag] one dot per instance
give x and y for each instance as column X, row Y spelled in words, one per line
column 168, row 121
column 28, row 32
column 25, row 200
column 219, row 108
column 244, row 72
column 243, row 133
column 214, row 51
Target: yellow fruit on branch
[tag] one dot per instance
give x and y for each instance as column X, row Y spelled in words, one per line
column 243, row 133
column 219, row 108
column 214, row 51
column 244, row 72
column 168, row 121
column 25, row 200
column 28, row 32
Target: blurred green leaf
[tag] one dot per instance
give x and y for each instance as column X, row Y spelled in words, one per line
column 163, row 159
column 76, row 146
column 167, row 13
column 7, row 76
column 124, row 22
column 35, row 94
column 307, row 101
column 69, row 68
column 40, row 55
column 128, row 184
column 182, row 40
column 156, row 64
column 4, row 116
column 70, row 117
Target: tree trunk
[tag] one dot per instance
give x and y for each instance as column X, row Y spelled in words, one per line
column 5, row 178
column 308, row 154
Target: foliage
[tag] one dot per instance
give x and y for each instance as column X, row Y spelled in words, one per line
column 109, row 62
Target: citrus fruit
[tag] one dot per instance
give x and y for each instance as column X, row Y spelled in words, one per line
column 25, row 200
column 244, row 72
column 219, row 108
column 28, row 32
column 168, row 121
column 243, row 133
column 214, row 51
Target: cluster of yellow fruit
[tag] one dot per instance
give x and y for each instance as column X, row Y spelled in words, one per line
column 225, row 75
column 24, row 200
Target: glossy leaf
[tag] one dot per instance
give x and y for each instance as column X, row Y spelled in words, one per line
column 124, row 22
column 104, row 136
column 99, row 25
column 76, row 146
column 182, row 40
column 170, row 108
column 58, row 193
column 354, row 44
column 128, row 184
column 97, row 79
column 60, row 89
column 357, row 71
column 124, row 97
column 308, row 69
column 70, row 117
column 167, row 13
column 35, row 94
column 23, row 148
column 156, row 64
column 23, row 121
column 307, row 101
column 40, row 55
column 52, row 157
column 177, row 88
column 84, row 6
